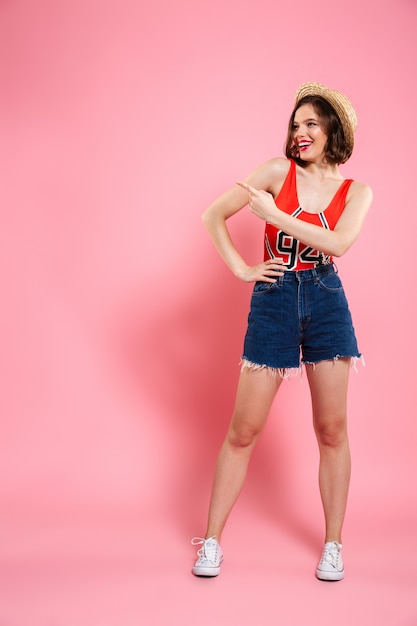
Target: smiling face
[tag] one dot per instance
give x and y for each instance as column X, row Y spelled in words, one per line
column 308, row 134
column 315, row 132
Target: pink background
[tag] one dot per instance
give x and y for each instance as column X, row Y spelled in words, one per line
column 121, row 329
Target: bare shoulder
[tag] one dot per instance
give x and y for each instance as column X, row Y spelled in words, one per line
column 279, row 166
column 277, row 169
column 359, row 192
column 358, row 201
column 269, row 173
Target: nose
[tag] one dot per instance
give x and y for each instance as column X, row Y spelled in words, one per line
column 300, row 132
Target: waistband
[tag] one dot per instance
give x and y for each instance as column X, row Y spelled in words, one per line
column 305, row 275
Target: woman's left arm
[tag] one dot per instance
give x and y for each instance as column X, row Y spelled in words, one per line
column 332, row 242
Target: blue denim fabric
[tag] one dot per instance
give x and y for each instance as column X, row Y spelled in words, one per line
column 303, row 309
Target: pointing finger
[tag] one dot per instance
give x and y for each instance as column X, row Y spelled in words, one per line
column 245, row 186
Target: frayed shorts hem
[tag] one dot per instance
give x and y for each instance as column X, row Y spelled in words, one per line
column 288, row 372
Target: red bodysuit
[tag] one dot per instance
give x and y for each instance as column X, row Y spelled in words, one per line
column 295, row 254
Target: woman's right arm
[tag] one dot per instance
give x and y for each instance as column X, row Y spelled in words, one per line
column 232, row 201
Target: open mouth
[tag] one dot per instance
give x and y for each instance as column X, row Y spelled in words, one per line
column 304, row 145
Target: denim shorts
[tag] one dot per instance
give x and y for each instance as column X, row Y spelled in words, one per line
column 303, row 316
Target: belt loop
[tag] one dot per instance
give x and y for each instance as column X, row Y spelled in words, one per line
column 280, row 280
column 315, row 275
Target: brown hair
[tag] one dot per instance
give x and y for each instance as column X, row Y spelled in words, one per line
column 336, row 150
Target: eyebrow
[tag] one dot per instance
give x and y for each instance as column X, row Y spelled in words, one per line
column 310, row 119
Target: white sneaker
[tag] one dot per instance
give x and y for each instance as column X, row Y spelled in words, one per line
column 210, row 557
column 331, row 563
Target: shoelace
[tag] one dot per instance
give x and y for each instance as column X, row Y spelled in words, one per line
column 331, row 554
column 206, row 552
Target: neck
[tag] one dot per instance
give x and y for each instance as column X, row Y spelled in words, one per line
column 323, row 170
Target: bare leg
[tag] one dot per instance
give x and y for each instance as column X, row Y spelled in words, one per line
column 328, row 385
column 255, row 393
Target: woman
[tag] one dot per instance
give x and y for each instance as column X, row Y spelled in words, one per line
column 312, row 214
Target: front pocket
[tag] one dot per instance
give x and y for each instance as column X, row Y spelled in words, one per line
column 261, row 288
column 331, row 282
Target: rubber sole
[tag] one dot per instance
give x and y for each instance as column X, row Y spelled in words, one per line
column 332, row 576
column 206, row 572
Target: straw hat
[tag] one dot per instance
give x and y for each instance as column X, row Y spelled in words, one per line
column 339, row 102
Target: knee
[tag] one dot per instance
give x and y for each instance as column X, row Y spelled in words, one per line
column 332, row 434
column 243, row 436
